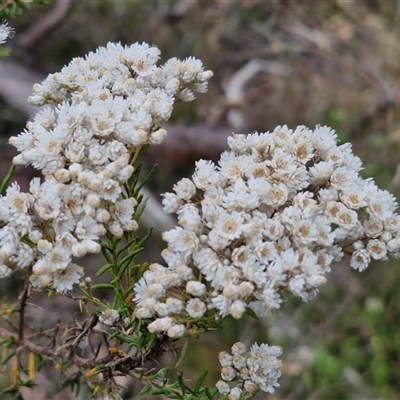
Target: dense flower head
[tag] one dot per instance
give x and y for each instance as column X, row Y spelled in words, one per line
column 100, row 110
column 5, row 32
column 105, row 105
column 248, row 372
column 268, row 221
column 109, row 317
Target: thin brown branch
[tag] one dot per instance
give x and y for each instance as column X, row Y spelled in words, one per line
column 45, row 24
column 62, row 352
column 71, row 378
column 22, row 304
column 7, row 4
column 92, row 323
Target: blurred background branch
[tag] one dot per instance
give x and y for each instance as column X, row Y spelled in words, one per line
column 44, row 25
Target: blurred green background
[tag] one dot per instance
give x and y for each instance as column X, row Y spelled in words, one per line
column 323, row 62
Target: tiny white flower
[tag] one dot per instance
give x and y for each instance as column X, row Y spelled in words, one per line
column 377, row 249
column 159, row 135
column 24, row 256
column 5, row 271
column 381, row 205
column 205, row 175
column 175, row 305
column 235, row 393
column 237, row 309
column 195, row 288
column 176, row 331
column 171, row 202
column 144, row 312
column 321, row 172
column 184, row 272
column 189, row 218
column 195, row 308
column 225, row 359
column 245, row 289
column 162, row 309
column 392, row 224
column 239, row 361
column 229, row 225
column 393, row 245
column 270, row 297
column 5, row 32
column 360, row 259
column 223, row 387
column 185, row 189
column 373, row 227
column 222, row 304
column 231, row 291
column 160, row 325
column 181, row 240
column 64, row 279
column 228, row 373
column 109, row 317
column 238, row 348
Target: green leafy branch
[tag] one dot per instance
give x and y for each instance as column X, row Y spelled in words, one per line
column 12, row 8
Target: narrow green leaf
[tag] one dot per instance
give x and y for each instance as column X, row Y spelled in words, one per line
column 139, row 211
column 210, row 393
column 146, row 179
column 104, row 246
column 125, row 264
column 106, row 255
column 139, row 198
column 166, row 391
column 151, row 341
column 143, row 268
column 200, row 381
column 128, row 257
column 7, row 179
column 165, row 372
column 6, row 342
column 114, row 241
column 146, row 238
column 103, row 269
column 127, row 245
column 146, row 389
column 182, row 383
column 78, row 389
column 176, row 385
column 138, row 169
column 176, row 396
column 29, row 384
column 119, row 301
column 143, row 148
column 250, row 313
column 8, row 357
column 103, row 286
column 28, row 241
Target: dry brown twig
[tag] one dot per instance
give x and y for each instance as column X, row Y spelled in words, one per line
column 67, row 352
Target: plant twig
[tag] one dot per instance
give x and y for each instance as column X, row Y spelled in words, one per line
column 22, row 303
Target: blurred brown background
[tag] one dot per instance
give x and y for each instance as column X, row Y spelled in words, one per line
column 275, row 62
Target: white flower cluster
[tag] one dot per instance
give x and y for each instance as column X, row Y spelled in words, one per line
column 270, row 219
column 109, row 317
column 5, row 32
column 258, row 369
column 107, row 105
